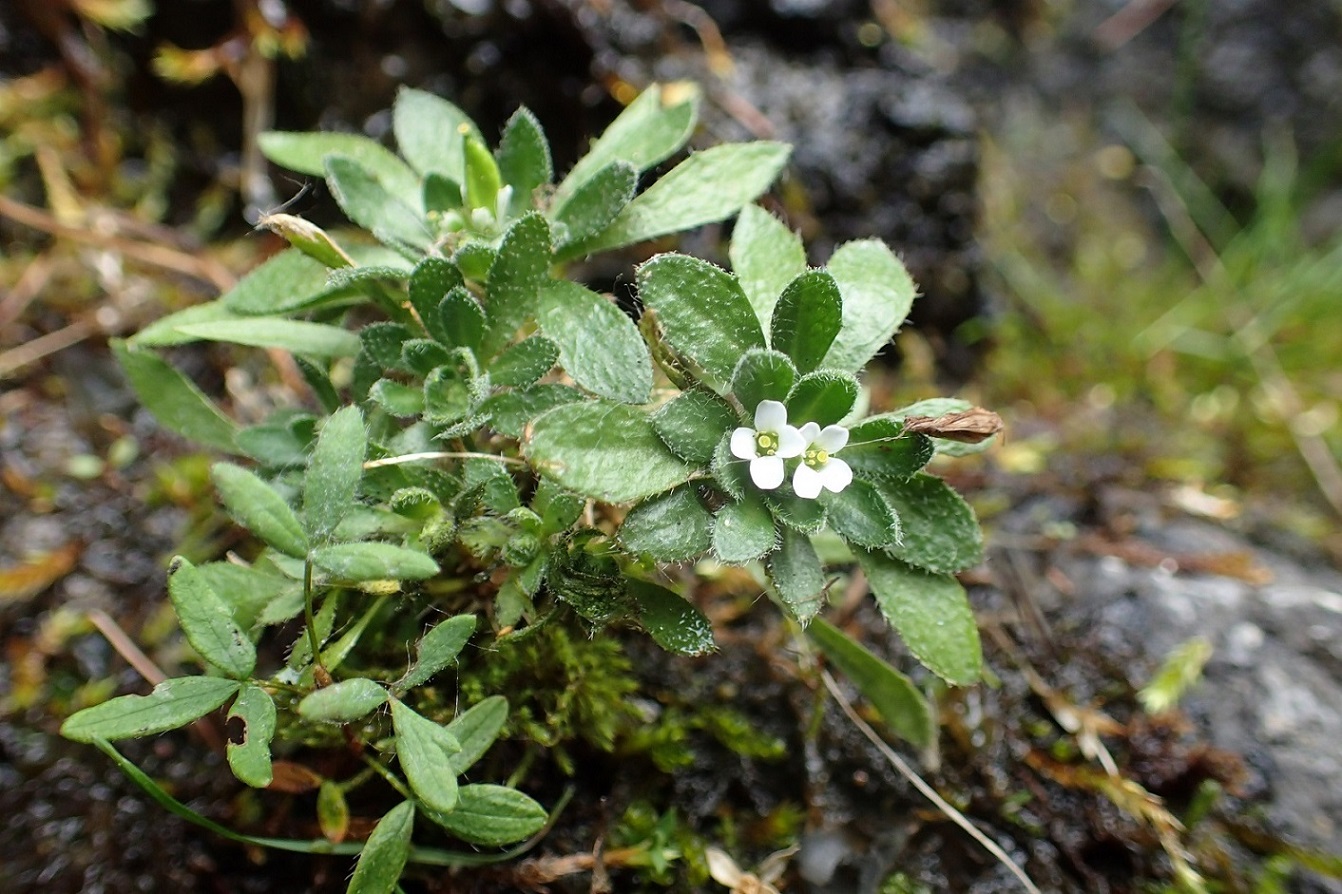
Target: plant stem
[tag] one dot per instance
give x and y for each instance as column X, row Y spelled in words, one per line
column 310, row 621
column 389, row 776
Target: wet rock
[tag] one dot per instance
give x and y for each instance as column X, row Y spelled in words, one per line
column 1271, row 689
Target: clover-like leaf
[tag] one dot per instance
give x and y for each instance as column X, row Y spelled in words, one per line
column 343, row 702
column 250, row 758
column 492, row 815
column 208, row 621
column 333, row 474
column 425, row 751
column 172, row 704
column 437, row 649
column 384, row 855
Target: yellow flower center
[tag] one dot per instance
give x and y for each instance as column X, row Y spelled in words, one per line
column 766, row 442
column 815, row 457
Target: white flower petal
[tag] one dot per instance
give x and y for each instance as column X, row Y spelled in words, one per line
column 806, row 482
column 833, row 439
column 810, row 431
column 790, row 442
column 743, row 444
column 767, row 472
column 770, row 415
column 835, row 475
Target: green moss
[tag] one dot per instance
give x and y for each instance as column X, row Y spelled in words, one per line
column 562, row 688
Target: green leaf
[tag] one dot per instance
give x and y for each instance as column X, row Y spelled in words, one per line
column 861, row 515
column 941, row 533
column 425, row 750
column 525, row 362
column 364, row 199
column 649, row 131
column 797, row 575
column 430, row 132
column 702, row 311
column 208, row 621
column 492, row 815
column 806, row 319
column 877, row 294
column 474, row 260
column 295, row 336
column 598, row 345
column 524, row 159
column 894, row 696
column 343, row 702
column 822, row 397
column 515, row 279
column 162, row 333
column 319, row 380
column 437, row 649
column 441, row 194
column 762, row 375
column 673, row 623
column 731, row 474
column 476, row 729
column 174, row 399
column 250, row 760
column 801, row 515
column 931, row 613
column 706, row 187
column 482, row 175
column 461, row 321
column 384, row 855
column 743, row 531
column 604, row 450
column 373, row 561
column 766, row 255
column 671, row 527
column 421, row 356
column 594, row 205
column 332, row 480
column 401, row 401
column 172, row 704
column 509, row 412
column 430, row 282
column 693, row 423
column 306, row 153
column 285, row 282
column 383, row 342
column 450, row 395
column 878, row 448
column 260, row 509
column 246, row 590
column 332, row 811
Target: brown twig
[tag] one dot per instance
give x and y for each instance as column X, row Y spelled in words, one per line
column 165, row 258
column 145, row 667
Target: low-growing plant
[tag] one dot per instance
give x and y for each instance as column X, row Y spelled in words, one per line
column 494, row 448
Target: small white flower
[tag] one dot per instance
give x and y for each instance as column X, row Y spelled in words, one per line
column 766, row 445
column 819, row 467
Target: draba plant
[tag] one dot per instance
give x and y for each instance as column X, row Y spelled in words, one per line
column 492, row 447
